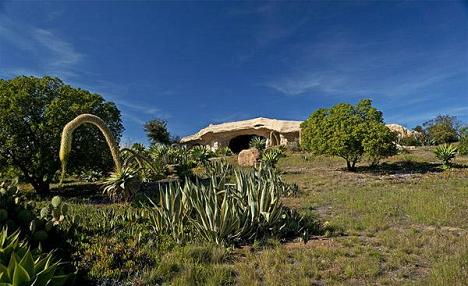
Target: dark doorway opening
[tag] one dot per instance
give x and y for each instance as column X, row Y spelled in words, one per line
column 240, row 142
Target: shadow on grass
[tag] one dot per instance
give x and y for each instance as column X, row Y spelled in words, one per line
column 87, row 192
column 405, row 167
column 91, row 192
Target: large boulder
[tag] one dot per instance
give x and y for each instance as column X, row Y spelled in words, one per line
column 248, row 157
column 401, row 131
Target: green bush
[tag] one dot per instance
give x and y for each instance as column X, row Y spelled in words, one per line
column 349, row 132
column 201, row 154
column 150, row 168
column 410, row 141
column 463, row 143
column 442, row 129
column 33, row 113
column 445, row 153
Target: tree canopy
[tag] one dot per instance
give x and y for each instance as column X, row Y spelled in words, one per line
column 349, row 132
column 156, row 130
column 33, row 112
column 443, row 129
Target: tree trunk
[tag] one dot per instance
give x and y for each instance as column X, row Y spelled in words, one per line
column 40, row 186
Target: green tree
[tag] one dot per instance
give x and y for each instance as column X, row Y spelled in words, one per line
column 463, row 142
column 443, row 129
column 349, row 132
column 33, row 112
column 156, row 130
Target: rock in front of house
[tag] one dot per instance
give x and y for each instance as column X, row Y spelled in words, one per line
column 248, row 157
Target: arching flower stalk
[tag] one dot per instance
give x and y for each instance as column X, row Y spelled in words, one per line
column 67, row 138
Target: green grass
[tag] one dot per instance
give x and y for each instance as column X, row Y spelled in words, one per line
column 404, row 223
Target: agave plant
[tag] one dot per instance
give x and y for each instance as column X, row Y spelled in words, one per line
column 201, row 154
column 271, row 157
column 218, row 171
column 122, row 186
column 222, row 213
column 223, row 152
column 170, row 216
column 19, row 265
column 148, row 168
column 445, row 153
column 218, row 215
column 261, row 197
column 258, row 142
column 67, row 138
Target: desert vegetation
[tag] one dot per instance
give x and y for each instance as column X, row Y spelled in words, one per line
column 75, row 207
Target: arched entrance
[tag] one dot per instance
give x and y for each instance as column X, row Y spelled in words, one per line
column 240, row 142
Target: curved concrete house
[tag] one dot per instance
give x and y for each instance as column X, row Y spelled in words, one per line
column 237, row 135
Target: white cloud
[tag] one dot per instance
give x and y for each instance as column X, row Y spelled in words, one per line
column 45, row 52
column 340, row 66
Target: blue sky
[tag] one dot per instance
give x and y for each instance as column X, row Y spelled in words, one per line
column 195, row 63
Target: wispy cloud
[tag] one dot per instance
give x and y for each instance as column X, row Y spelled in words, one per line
column 47, row 51
column 346, row 67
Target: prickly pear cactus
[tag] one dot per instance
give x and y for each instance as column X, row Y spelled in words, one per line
column 18, row 212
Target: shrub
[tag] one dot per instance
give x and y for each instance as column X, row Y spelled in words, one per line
column 445, row 153
column 463, row 143
column 201, row 154
column 90, row 175
column 349, row 132
column 443, row 129
column 150, row 168
column 33, row 113
column 258, row 142
column 412, row 140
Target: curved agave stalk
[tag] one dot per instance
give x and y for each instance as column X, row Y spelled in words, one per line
column 67, row 138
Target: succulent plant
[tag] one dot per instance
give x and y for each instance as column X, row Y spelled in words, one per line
column 271, row 156
column 122, row 186
column 258, row 142
column 445, row 153
column 22, row 266
column 222, row 213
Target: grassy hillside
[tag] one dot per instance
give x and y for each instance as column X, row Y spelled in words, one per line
column 402, row 223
